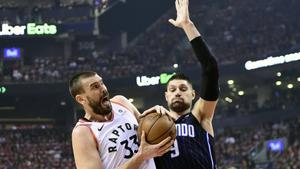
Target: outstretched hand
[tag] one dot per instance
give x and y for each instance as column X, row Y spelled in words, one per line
column 183, row 17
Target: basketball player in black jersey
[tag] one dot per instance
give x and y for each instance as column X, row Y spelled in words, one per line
column 193, row 147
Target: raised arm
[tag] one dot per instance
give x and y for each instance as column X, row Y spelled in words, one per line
column 204, row 107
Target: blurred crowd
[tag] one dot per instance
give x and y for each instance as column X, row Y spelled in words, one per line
column 277, row 98
column 233, row 146
column 234, row 30
column 46, row 148
column 59, row 69
column 42, row 4
column 50, row 147
column 53, row 11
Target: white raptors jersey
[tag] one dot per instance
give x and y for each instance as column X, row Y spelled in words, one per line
column 117, row 139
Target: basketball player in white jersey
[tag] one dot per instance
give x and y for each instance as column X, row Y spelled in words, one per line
column 106, row 137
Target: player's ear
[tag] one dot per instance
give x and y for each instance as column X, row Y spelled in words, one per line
column 193, row 94
column 166, row 96
column 80, row 99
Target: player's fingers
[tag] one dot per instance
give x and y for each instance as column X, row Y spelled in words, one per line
column 164, row 110
column 172, row 21
column 180, row 2
column 148, row 111
column 143, row 137
column 157, row 109
column 165, row 141
column 185, row 4
column 162, row 152
column 145, row 113
column 167, row 147
column 142, row 115
column 177, row 4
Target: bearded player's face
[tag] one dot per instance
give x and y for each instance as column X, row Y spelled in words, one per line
column 179, row 95
column 96, row 94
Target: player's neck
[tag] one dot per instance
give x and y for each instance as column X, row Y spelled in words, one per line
column 98, row 118
column 176, row 115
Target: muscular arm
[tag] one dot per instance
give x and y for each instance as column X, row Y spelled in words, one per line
column 85, row 149
column 209, row 92
column 86, row 153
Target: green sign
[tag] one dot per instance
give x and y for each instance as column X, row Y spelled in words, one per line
column 155, row 80
column 28, row 29
column 164, row 77
column 2, row 90
column 45, row 29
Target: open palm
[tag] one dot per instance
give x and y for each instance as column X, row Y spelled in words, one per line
column 182, row 14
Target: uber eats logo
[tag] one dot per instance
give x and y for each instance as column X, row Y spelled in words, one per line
column 29, row 29
column 155, row 80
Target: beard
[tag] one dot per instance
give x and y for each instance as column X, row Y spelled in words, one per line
column 179, row 107
column 98, row 108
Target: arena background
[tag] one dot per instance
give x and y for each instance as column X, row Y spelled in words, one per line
column 134, row 48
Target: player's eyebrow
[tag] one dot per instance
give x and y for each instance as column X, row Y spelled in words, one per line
column 183, row 85
column 94, row 83
column 171, row 86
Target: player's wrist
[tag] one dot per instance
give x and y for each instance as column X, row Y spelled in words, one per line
column 139, row 156
column 187, row 25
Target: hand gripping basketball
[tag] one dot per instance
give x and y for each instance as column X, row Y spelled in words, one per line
column 157, row 127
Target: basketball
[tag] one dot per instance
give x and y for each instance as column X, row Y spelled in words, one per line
column 157, row 127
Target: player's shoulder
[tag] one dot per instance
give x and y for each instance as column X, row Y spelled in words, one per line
column 122, row 101
column 81, row 131
column 83, row 141
column 186, row 117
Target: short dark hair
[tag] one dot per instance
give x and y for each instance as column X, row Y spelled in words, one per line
column 179, row 76
column 75, row 86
